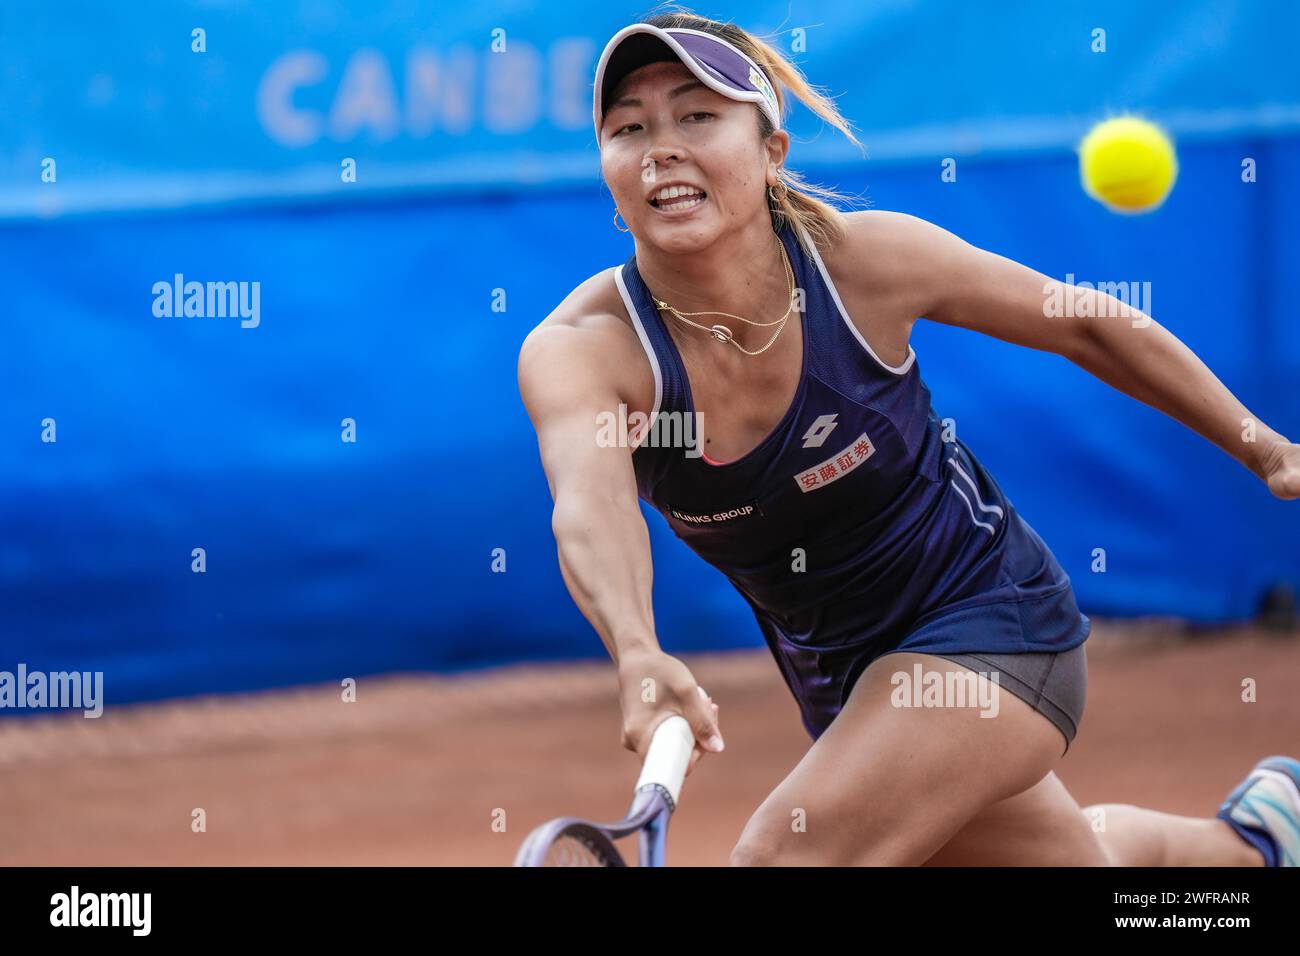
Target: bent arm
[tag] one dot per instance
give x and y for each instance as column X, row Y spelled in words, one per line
column 601, row 536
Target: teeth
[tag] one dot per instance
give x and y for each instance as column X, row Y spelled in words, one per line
column 671, row 192
column 682, row 203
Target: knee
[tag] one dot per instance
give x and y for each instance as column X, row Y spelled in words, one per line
column 758, row 847
column 765, row 842
column 750, row 852
column 1095, row 814
column 768, row 840
column 1101, row 817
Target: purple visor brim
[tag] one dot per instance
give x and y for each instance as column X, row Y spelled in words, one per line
column 717, row 63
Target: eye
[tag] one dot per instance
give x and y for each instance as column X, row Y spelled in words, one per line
column 698, row 114
column 628, row 126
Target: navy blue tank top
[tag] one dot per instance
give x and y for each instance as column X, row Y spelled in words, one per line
column 859, row 525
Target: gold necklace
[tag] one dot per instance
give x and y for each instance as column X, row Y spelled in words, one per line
column 724, row 334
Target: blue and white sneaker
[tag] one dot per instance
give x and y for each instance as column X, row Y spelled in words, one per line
column 1265, row 810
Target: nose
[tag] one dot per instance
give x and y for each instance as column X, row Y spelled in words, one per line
column 658, row 161
column 665, row 149
column 657, row 164
column 664, row 154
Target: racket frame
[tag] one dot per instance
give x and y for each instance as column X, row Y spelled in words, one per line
column 653, row 802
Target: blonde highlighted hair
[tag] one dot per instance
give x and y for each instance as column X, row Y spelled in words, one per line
column 801, row 203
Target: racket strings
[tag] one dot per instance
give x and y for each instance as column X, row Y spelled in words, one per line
column 570, row 850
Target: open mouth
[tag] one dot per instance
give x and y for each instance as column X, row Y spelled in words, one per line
column 680, row 203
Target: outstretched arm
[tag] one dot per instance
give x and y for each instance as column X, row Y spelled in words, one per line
column 962, row 285
column 1149, row 363
column 604, row 546
column 603, row 542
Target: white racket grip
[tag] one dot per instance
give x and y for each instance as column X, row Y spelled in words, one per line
column 668, row 756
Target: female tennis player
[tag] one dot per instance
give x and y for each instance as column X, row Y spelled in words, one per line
column 811, row 469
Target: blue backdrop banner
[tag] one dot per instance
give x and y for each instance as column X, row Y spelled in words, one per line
column 167, row 104
column 394, row 314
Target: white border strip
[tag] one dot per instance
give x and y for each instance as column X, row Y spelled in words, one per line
column 645, row 344
column 835, row 294
column 981, row 524
column 990, row 509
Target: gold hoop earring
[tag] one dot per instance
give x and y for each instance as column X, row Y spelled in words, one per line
column 785, row 190
column 616, row 225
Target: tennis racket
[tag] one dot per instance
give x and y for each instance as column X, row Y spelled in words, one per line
column 571, row 841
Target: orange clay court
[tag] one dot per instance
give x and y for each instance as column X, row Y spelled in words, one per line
column 417, row 769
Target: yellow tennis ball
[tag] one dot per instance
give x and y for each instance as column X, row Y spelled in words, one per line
column 1128, row 164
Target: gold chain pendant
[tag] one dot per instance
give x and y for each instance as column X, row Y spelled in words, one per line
column 722, row 333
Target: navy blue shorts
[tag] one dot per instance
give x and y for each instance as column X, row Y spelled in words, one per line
column 1054, row 683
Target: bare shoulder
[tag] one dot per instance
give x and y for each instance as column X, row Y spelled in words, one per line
column 890, row 249
column 588, row 341
column 884, row 270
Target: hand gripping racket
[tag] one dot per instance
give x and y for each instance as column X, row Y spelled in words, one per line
column 571, row 841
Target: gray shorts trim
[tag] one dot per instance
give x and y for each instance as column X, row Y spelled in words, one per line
column 1054, row 683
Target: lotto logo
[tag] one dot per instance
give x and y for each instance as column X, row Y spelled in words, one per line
column 838, row 466
column 821, row 429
